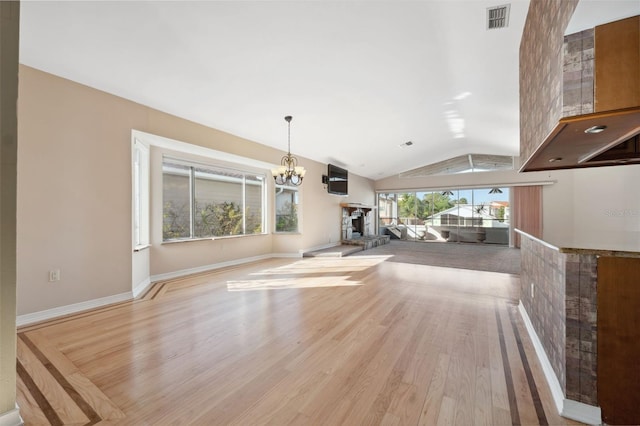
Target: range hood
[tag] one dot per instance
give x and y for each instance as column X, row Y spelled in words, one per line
column 610, row 135
column 598, row 139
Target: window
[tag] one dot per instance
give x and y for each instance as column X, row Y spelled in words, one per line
column 447, row 214
column 140, row 155
column 286, row 209
column 202, row 201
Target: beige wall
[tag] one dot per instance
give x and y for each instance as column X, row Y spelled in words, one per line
column 74, row 196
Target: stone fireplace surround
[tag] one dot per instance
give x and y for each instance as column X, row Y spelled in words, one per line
column 357, row 226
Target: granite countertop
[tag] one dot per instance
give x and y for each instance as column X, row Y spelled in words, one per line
column 599, row 252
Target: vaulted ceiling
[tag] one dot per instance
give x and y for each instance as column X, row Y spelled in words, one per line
column 360, row 78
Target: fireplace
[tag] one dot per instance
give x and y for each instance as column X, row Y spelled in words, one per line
column 356, row 221
column 357, row 226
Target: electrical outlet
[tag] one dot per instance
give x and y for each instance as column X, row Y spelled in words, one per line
column 54, row 275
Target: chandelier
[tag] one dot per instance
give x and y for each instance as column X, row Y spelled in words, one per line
column 289, row 173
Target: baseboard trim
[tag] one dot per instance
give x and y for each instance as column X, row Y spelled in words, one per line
column 35, row 317
column 27, row 319
column 141, row 287
column 11, row 418
column 556, row 390
column 581, row 412
column 287, row 255
column 321, row 247
column 566, row 407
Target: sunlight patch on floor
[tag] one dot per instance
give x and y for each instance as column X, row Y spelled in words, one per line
column 309, row 273
column 282, row 283
column 325, row 265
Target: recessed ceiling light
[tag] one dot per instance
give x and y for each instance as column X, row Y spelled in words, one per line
column 553, row 160
column 595, row 129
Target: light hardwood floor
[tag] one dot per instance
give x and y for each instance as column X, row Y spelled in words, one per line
column 317, row 341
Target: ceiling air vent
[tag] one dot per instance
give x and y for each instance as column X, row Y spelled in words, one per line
column 498, row 17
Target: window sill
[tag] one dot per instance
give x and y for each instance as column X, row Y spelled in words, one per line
column 287, row 233
column 228, row 237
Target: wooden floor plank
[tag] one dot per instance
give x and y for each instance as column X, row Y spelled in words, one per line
column 435, row 392
column 65, row 408
column 366, row 340
column 30, row 411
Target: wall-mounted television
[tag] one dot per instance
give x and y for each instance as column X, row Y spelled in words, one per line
column 338, row 180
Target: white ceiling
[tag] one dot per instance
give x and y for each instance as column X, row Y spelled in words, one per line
column 360, row 78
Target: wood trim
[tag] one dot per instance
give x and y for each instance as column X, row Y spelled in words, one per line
column 527, row 211
column 38, row 396
column 537, row 402
column 513, row 403
column 619, row 339
column 617, row 65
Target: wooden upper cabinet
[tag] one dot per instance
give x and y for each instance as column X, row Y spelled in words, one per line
column 617, row 65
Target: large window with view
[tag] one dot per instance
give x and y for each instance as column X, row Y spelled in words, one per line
column 202, row 201
column 448, row 215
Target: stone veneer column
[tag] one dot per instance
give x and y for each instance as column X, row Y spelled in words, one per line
column 541, row 69
column 581, row 302
column 542, row 293
column 9, row 32
column 562, row 307
column 578, row 82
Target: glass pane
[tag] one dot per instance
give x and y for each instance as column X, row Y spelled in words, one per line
column 496, row 228
column 387, row 210
column 443, row 209
column 422, row 213
column 253, row 205
column 406, row 214
column 136, row 198
column 286, row 210
column 218, row 203
column 175, row 201
column 436, row 205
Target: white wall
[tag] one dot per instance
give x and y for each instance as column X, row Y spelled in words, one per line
column 597, row 208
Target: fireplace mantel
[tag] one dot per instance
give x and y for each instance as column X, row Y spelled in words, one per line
column 352, row 207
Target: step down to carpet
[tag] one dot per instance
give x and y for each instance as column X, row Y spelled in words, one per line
column 337, row 251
